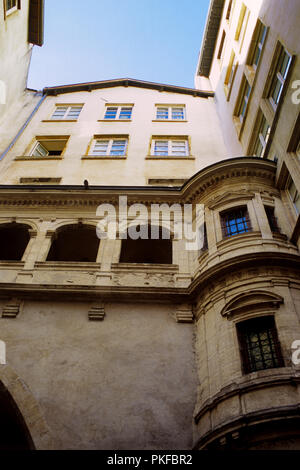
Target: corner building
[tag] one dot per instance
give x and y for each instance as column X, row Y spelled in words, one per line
column 122, row 344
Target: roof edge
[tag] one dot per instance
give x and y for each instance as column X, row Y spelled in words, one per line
column 210, row 35
column 126, row 82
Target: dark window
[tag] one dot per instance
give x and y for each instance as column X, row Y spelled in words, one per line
column 13, row 241
column 205, row 243
column 229, row 10
column 78, row 243
column 221, row 48
column 235, row 221
column 158, row 251
column 272, row 219
column 259, row 344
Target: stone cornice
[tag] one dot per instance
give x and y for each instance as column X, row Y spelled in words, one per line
column 248, row 168
column 253, row 383
column 150, row 293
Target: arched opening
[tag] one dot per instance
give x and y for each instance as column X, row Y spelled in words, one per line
column 75, row 243
column 14, row 434
column 14, row 239
column 152, row 251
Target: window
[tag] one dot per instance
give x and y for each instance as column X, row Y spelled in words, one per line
column 147, row 250
column 243, row 100
column 69, row 113
column 170, row 147
column 45, row 147
column 204, row 246
column 230, row 74
column 262, row 138
column 171, row 113
column 258, row 44
column 221, row 48
column 270, row 212
column 9, row 4
column 229, row 10
column 235, row 221
column 282, row 68
column 259, row 344
column 242, row 24
column 122, row 113
column 109, row 147
column 294, row 195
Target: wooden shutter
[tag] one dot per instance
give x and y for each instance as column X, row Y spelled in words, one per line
column 4, row 9
column 19, row 4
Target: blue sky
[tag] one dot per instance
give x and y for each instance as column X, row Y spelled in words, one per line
column 154, row 40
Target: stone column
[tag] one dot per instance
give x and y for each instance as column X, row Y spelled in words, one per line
column 252, row 216
column 30, row 252
column 45, row 245
column 261, row 216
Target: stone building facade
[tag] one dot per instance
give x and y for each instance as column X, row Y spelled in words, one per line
column 145, row 344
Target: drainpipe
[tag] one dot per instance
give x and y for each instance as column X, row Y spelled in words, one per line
column 22, row 128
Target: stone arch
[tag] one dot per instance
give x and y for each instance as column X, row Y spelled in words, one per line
column 250, row 303
column 14, row 238
column 75, row 242
column 27, row 413
column 148, row 251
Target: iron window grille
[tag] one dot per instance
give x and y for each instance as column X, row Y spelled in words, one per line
column 235, row 222
column 259, row 344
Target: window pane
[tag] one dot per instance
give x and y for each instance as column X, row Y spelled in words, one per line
column 118, row 147
column 100, row 147
column 235, row 222
column 40, row 151
column 74, row 112
column 10, row 4
column 285, row 65
column 177, row 113
column 125, row 113
column 59, row 112
column 161, row 147
column 162, row 113
column 111, row 113
column 178, row 147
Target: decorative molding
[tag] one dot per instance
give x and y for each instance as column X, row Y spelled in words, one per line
column 12, row 309
column 251, row 301
column 184, row 314
column 96, row 313
column 230, row 197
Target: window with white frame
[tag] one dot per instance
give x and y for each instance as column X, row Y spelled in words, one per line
column 109, row 147
column 49, row 146
column 170, row 113
column 263, row 135
column 66, row 113
column 170, row 147
column 279, row 79
column 118, row 113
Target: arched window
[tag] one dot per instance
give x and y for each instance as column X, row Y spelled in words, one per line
column 77, row 243
column 154, row 251
column 13, row 241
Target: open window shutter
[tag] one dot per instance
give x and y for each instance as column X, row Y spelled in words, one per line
column 19, row 4
column 4, row 9
column 36, row 22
